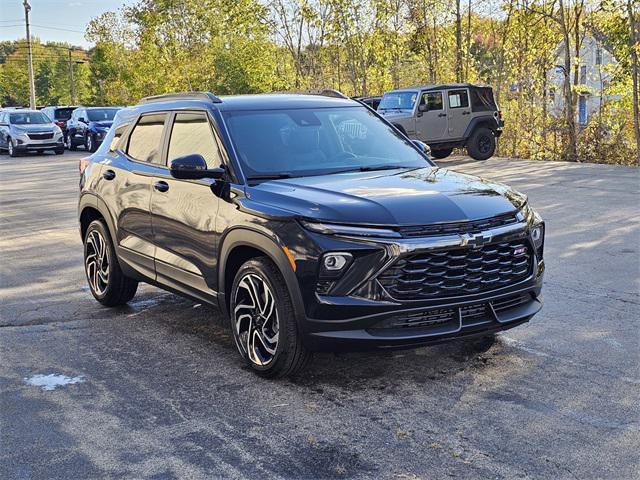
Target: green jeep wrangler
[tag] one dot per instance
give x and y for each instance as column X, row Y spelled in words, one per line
column 446, row 117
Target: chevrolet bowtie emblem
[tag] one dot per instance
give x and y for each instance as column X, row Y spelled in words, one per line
column 474, row 240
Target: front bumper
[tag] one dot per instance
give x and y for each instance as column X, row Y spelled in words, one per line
column 24, row 144
column 366, row 316
column 404, row 327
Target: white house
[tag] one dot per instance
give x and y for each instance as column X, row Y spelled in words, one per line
column 596, row 65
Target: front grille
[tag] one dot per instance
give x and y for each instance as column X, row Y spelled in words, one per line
column 456, row 228
column 460, row 271
column 40, row 136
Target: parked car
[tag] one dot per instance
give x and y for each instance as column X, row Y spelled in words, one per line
column 310, row 221
column 446, row 117
column 29, row 131
column 373, row 102
column 59, row 114
column 88, row 126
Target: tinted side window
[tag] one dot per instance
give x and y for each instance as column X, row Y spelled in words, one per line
column 145, row 141
column 115, row 141
column 191, row 133
column 458, row 99
column 433, row 100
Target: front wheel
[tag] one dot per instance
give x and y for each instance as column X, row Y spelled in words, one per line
column 68, row 140
column 441, row 153
column 107, row 283
column 90, row 143
column 482, row 144
column 263, row 320
column 11, row 148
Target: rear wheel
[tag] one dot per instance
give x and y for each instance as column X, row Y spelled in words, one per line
column 441, row 153
column 481, row 144
column 263, row 320
column 68, row 140
column 108, row 284
column 90, row 143
column 59, row 151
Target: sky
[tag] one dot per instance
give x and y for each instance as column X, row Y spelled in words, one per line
column 53, row 20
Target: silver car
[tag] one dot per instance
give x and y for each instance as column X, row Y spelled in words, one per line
column 29, row 131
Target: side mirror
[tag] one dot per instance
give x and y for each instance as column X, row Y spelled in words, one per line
column 193, row 167
column 82, row 119
column 423, row 107
column 423, row 147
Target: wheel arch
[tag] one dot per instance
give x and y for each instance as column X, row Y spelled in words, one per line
column 92, row 208
column 241, row 244
column 483, row 121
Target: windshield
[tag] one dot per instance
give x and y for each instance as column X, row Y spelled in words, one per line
column 102, row 114
column 28, row 118
column 63, row 113
column 398, row 101
column 317, row 141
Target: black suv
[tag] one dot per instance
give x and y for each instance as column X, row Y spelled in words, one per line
column 311, row 221
column 88, row 126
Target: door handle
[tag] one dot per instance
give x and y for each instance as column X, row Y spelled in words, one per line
column 161, row 186
column 442, row 114
column 466, row 112
column 109, row 175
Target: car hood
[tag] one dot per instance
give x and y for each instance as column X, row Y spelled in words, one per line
column 393, row 197
column 101, row 124
column 37, row 128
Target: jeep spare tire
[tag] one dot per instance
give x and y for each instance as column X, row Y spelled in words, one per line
column 481, row 144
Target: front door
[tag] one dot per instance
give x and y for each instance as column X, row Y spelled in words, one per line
column 459, row 112
column 431, row 126
column 183, row 212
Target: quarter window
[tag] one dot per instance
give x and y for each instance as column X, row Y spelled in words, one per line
column 191, row 133
column 458, row 99
column 115, row 141
column 145, row 141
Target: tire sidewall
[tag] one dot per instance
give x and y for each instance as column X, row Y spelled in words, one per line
column 474, row 150
column 11, row 149
column 100, row 227
column 255, row 267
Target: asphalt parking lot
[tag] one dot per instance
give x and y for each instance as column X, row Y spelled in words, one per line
column 157, row 390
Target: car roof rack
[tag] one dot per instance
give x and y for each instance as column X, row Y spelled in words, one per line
column 323, row 92
column 167, row 97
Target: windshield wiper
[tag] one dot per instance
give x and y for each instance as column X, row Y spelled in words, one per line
column 270, row 176
column 373, row 168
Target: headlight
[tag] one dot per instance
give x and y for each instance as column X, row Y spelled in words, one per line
column 351, row 230
column 537, row 235
column 57, row 130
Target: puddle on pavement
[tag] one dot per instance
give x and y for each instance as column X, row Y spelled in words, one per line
column 52, row 381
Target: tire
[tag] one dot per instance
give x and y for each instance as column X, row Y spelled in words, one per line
column 69, row 142
column 90, row 143
column 481, row 144
column 11, row 148
column 275, row 349
column 59, row 151
column 441, row 153
column 40, row 152
column 109, row 285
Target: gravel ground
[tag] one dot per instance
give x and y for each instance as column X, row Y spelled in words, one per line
column 157, row 390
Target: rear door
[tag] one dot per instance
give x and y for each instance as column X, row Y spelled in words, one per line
column 125, row 187
column 431, row 126
column 459, row 112
column 183, row 212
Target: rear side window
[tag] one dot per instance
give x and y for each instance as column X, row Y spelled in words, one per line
column 145, row 141
column 191, row 133
column 117, row 136
column 458, row 99
column 63, row 113
column 482, row 100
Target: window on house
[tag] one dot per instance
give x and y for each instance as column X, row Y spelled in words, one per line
column 598, row 56
column 583, row 74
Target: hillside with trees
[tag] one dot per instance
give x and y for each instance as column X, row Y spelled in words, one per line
column 364, row 47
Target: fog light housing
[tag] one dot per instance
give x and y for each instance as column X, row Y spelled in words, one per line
column 334, row 264
column 537, row 235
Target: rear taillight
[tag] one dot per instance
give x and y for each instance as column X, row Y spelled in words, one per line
column 499, row 114
column 82, row 164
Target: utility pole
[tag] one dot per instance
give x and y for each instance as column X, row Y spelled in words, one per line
column 32, row 88
column 71, row 83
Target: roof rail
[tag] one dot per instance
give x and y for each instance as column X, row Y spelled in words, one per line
column 167, row 97
column 326, row 92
